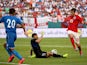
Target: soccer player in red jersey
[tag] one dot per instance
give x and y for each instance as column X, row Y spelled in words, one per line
column 73, row 21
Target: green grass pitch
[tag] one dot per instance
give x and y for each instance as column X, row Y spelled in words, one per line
column 63, row 45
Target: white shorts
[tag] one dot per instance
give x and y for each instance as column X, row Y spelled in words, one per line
column 76, row 36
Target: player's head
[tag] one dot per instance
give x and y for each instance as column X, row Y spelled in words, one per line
column 73, row 10
column 12, row 11
column 35, row 36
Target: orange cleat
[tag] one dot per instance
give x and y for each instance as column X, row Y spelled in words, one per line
column 21, row 61
column 11, row 58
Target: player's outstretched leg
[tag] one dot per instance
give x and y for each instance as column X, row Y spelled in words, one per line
column 9, row 52
column 31, row 52
column 78, row 45
column 57, row 55
column 80, row 50
column 72, row 41
column 18, row 56
column 60, row 56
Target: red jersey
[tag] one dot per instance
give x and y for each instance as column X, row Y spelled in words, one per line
column 73, row 22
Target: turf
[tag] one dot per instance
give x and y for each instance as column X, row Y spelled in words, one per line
column 63, row 46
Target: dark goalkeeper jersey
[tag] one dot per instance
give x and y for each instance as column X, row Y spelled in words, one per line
column 35, row 45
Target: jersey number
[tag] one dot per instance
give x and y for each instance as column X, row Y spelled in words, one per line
column 11, row 24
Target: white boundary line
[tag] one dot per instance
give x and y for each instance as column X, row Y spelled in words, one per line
column 12, row 63
column 54, row 46
column 60, row 46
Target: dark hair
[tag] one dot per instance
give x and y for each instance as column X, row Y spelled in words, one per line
column 34, row 34
column 11, row 11
column 73, row 9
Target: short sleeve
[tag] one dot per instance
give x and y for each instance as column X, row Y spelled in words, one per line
column 19, row 21
column 80, row 19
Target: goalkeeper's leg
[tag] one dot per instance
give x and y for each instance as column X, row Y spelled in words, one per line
column 56, row 55
column 31, row 52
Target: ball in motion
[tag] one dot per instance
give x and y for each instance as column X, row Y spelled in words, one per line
column 29, row 33
column 79, row 32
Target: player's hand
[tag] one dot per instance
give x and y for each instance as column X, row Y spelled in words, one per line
column 42, row 33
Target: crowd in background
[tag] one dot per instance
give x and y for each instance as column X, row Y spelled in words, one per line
column 42, row 8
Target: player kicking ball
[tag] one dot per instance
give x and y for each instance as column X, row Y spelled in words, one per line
column 73, row 21
column 37, row 50
column 10, row 23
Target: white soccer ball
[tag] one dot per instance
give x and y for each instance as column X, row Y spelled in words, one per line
column 54, row 51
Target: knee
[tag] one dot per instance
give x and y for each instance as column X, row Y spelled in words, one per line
column 71, row 35
column 78, row 44
column 11, row 49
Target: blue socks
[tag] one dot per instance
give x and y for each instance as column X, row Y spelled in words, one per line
column 14, row 52
column 17, row 54
column 9, row 52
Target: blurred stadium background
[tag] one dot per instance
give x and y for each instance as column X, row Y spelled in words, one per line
column 45, row 13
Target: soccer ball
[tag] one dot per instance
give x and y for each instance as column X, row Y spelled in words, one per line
column 29, row 32
column 79, row 32
column 54, row 51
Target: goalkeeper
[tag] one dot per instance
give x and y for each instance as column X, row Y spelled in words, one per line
column 37, row 50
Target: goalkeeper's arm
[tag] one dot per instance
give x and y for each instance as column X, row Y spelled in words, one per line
column 39, row 39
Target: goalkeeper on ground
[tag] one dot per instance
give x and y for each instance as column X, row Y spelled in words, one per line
column 37, row 50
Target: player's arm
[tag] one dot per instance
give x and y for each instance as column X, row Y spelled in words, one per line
column 19, row 26
column 0, row 17
column 2, row 20
column 81, row 20
column 39, row 39
column 22, row 25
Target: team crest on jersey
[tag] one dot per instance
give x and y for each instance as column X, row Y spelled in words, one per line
column 71, row 21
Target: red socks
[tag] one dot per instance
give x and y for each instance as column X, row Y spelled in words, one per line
column 72, row 41
column 74, row 46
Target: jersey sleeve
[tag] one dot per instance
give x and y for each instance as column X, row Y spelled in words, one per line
column 2, row 20
column 19, row 21
column 80, row 19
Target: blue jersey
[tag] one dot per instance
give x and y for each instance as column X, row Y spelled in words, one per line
column 10, row 23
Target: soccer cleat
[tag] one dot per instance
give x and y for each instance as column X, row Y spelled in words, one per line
column 21, row 61
column 33, row 56
column 65, row 55
column 11, row 58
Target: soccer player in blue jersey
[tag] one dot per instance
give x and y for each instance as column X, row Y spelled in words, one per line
column 10, row 23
